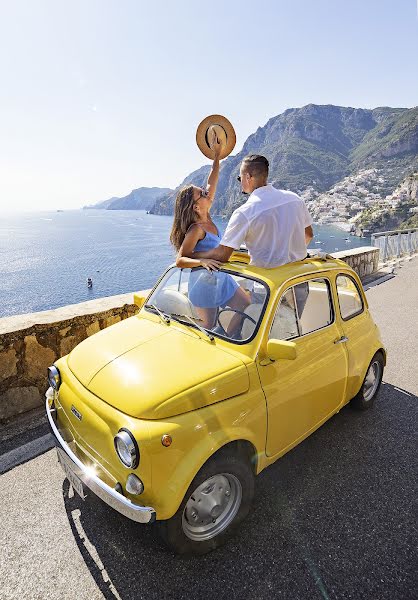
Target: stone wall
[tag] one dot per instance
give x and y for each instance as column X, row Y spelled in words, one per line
column 364, row 260
column 30, row 343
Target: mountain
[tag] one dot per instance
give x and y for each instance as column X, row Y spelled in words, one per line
column 165, row 204
column 316, row 146
column 140, row 199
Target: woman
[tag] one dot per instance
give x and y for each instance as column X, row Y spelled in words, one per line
column 193, row 230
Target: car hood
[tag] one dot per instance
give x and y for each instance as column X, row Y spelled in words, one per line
column 153, row 371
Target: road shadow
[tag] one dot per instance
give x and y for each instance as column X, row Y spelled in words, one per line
column 333, row 518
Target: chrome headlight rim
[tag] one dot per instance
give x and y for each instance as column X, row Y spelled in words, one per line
column 54, row 377
column 126, row 437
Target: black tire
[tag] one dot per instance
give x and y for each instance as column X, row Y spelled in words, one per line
column 367, row 394
column 227, row 467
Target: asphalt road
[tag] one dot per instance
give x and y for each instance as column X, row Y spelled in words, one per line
column 334, row 518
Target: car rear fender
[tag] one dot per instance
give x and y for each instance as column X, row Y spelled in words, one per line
column 360, row 380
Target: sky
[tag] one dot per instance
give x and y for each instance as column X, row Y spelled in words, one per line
column 98, row 97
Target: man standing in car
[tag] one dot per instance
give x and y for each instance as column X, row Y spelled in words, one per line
column 275, row 225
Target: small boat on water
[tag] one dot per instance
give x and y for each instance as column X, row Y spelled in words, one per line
column 318, row 242
column 89, row 282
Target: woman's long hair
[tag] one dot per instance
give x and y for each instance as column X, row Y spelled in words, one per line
column 184, row 215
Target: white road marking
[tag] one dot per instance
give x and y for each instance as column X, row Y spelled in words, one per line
column 26, row 452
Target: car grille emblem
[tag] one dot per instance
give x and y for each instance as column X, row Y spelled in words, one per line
column 76, row 413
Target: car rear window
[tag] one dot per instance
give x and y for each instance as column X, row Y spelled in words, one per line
column 349, row 297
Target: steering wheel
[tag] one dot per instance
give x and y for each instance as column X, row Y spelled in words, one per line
column 239, row 312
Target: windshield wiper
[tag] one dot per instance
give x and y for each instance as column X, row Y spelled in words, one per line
column 177, row 317
column 163, row 316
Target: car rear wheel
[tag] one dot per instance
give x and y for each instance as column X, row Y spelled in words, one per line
column 371, row 384
column 218, row 499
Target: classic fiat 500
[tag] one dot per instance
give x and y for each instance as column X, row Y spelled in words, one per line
column 168, row 420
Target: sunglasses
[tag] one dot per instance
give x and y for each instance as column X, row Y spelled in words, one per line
column 239, row 177
column 203, row 194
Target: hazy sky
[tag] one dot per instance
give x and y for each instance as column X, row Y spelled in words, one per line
column 98, row 97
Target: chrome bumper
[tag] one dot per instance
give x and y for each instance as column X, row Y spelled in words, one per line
column 140, row 514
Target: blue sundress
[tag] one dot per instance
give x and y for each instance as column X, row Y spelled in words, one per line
column 210, row 289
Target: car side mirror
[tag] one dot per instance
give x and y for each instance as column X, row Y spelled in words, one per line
column 139, row 300
column 280, row 349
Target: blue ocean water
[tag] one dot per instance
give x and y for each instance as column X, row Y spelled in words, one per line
column 46, row 257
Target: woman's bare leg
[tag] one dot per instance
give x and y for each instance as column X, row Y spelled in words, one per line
column 239, row 301
column 207, row 316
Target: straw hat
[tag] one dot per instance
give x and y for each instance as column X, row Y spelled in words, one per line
column 224, row 131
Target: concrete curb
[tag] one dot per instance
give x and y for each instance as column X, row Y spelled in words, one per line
column 26, row 452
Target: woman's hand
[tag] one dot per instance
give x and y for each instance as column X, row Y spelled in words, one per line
column 210, row 264
column 216, row 144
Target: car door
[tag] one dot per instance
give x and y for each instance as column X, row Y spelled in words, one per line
column 304, row 392
column 357, row 327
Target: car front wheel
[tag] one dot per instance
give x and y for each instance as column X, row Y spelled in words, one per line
column 218, row 499
column 371, row 384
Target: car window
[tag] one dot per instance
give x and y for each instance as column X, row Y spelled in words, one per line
column 349, row 297
column 223, row 303
column 285, row 323
column 303, row 308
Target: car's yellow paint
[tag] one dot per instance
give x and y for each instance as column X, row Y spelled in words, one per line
column 139, row 299
column 156, row 379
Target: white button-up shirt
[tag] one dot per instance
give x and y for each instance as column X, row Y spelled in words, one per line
column 272, row 225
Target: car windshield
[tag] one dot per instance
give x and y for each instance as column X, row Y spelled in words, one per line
column 219, row 303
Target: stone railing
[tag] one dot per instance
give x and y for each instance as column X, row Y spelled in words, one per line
column 30, row 343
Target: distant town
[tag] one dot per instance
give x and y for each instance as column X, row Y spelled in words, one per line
column 357, row 201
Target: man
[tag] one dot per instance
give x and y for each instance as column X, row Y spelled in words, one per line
column 275, row 225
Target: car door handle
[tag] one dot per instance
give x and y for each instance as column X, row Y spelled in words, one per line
column 341, row 340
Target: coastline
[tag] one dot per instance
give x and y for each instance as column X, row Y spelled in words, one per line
column 342, row 225
column 120, row 250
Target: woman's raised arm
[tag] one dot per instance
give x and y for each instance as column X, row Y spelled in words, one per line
column 214, row 173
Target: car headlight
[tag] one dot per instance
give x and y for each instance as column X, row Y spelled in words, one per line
column 54, row 377
column 127, row 449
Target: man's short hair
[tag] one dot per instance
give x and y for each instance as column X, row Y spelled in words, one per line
column 256, row 165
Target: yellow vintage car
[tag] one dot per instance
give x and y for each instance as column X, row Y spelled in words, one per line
column 168, row 421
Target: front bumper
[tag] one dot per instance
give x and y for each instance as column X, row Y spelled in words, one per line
column 140, row 514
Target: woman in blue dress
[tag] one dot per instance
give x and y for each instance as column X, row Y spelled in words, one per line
column 194, row 231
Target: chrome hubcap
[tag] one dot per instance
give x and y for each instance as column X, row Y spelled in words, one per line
column 372, row 380
column 212, row 507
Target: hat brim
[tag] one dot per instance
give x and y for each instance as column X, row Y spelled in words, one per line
column 202, row 137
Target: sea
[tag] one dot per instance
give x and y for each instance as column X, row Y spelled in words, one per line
column 46, row 257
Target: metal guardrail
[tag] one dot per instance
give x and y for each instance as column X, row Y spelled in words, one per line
column 394, row 244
